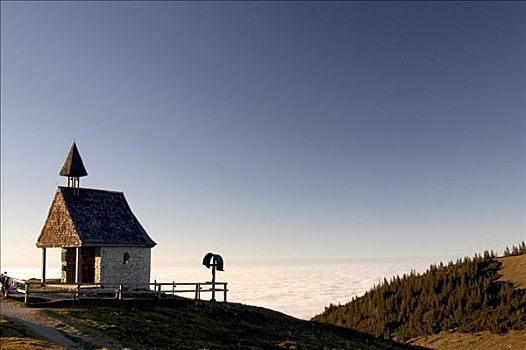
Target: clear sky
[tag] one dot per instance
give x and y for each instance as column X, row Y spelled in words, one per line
column 267, row 130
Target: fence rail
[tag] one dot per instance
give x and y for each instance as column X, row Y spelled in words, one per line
column 116, row 291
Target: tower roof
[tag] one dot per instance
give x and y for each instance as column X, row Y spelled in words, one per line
column 73, row 166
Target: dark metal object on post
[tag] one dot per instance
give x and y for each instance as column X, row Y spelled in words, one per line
column 216, row 262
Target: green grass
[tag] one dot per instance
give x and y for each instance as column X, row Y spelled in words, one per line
column 185, row 324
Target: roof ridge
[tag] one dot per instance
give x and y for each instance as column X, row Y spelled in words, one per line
column 93, row 189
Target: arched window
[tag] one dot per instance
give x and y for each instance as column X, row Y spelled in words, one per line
column 126, row 258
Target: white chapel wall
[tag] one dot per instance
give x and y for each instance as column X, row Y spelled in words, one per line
column 110, row 266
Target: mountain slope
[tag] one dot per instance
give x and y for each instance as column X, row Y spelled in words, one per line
column 513, row 270
column 467, row 296
column 187, row 324
column 16, row 337
column 450, row 340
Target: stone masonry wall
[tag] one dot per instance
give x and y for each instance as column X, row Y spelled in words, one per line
column 111, row 267
column 63, row 274
column 98, row 266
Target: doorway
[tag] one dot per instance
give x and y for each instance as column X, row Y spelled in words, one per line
column 88, row 264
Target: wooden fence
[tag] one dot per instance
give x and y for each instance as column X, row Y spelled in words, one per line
column 118, row 291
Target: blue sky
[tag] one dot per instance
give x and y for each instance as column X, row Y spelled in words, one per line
column 272, row 130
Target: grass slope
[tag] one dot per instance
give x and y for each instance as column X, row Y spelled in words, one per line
column 513, row 270
column 15, row 337
column 186, row 324
column 448, row 340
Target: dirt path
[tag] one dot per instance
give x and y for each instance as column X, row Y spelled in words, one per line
column 49, row 328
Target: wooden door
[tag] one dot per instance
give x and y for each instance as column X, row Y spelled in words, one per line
column 70, row 262
column 88, row 264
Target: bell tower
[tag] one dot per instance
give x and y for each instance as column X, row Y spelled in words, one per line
column 73, row 168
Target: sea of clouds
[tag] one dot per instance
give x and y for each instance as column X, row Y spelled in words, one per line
column 300, row 289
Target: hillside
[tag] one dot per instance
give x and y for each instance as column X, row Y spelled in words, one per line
column 16, row 337
column 186, row 324
column 452, row 340
column 513, row 270
column 480, row 294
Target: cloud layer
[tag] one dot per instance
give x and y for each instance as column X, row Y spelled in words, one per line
column 300, row 290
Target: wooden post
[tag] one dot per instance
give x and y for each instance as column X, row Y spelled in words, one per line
column 173, row 287
column 26, row 295
column 76, row 295
column 213, row 282
column 120, row 292
column 77, row 265
column 198, row 291
column 43, row 265
column 224, row 291
column 154, row 285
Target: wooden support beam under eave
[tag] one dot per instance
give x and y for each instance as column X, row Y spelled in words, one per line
column 43, row 265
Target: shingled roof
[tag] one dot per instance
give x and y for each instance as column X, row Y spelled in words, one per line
column 91, row 218
column 73, row 166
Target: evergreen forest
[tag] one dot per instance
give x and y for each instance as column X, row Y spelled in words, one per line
column 465, row 295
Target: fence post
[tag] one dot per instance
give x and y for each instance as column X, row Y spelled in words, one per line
column 26, row 295
column 159, row 291
column 173, row 287
column 120, row 292
column 197, row 291
column 76, row 295
column 224, row 291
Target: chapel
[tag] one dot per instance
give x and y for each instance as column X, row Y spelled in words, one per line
column 101, row 239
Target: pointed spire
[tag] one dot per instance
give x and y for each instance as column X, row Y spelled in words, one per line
column 73, row 166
